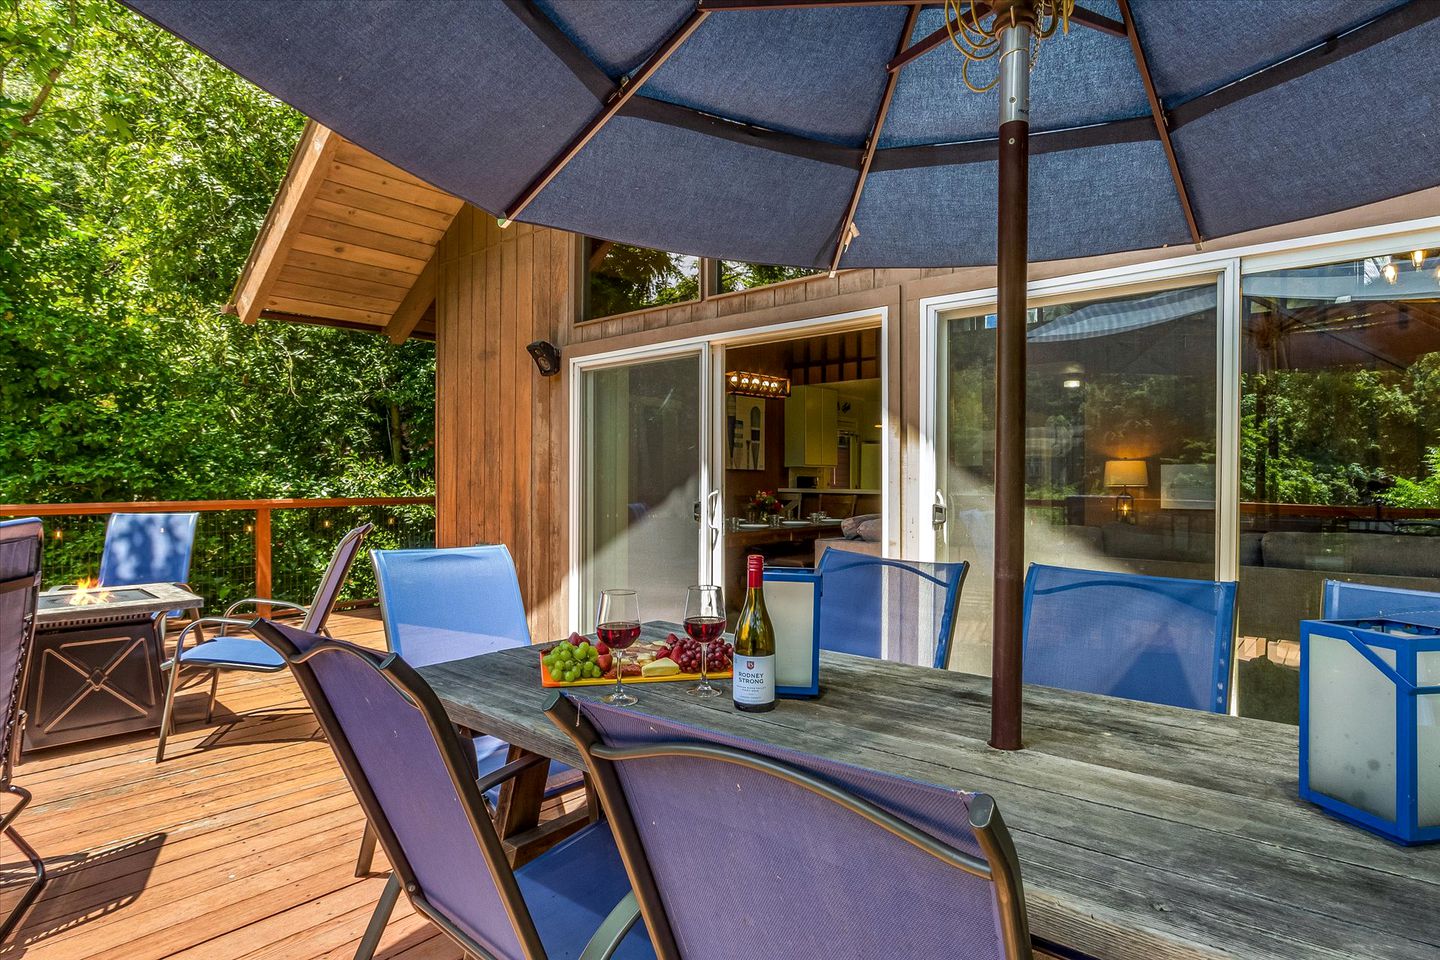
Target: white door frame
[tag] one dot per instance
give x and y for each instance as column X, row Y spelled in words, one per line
column 794, row 330
column 711, row 350
column 601, row 361
column 1224, row 271
column 1229, row 266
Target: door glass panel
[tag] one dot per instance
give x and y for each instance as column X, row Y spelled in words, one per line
column 1119, row 440
column 639, row 481
column 1340, row 450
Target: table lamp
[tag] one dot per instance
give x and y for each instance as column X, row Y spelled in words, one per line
column 1126, row 474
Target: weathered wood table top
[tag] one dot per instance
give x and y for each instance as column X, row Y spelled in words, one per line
column 1144, row 832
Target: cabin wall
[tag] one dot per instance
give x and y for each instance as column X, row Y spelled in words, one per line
column 502, row 432
column 500, row 428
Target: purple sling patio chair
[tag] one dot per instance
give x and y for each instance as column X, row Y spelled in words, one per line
column 449, row 603
column 20, row 549
column 249, row 654
column 738, row 849
column 416, row 783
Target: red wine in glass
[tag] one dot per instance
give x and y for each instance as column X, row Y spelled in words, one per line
column 704, row 629
column 704, row 623
column 619, row 627
column 621, row 634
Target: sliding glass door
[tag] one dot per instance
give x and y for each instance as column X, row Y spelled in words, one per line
column 638, row 482
column 1120, row 441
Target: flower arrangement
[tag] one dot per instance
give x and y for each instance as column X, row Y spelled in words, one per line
column 765, row 501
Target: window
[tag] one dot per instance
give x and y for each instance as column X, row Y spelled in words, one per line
column 621, row 278
column 735, row 275
column 1340, row 450
column 1120, row 440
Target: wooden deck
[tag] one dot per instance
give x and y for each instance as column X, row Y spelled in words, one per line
column 241, row 844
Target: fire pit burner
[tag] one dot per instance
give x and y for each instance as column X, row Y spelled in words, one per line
column 67, row 599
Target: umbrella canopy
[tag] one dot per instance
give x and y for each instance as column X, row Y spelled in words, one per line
column 746, row 136
column 863, row 133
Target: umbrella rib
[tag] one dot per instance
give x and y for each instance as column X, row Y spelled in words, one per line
column 928, row 43
column 847, row 225
column 621, row 95
column 1162, row 126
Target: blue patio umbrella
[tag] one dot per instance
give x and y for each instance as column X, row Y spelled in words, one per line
column 846, row 133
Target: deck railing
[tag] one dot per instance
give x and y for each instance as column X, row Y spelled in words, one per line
column 267, row 548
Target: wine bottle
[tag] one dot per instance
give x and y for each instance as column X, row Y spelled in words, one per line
column 753, row 680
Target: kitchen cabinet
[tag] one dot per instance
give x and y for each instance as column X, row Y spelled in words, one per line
column 811, row 434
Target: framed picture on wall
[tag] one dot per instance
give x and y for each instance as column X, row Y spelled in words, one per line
column 1187, row 486
column 746, row 419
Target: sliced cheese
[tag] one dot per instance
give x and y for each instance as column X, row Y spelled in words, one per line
column 664, row 667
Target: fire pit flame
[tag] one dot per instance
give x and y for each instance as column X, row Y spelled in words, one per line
column 87, row 592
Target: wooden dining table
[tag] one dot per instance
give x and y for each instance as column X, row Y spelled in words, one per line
column 1144, row 832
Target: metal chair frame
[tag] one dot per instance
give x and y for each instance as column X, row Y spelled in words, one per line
column 1001, row 865
column 944, row 637
column 14, row 719
column 468, row 789
column 314, row 620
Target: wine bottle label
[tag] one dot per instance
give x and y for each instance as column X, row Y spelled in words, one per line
column 753, row 681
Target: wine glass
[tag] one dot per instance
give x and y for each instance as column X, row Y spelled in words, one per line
column 704, row 623
column 618, row 621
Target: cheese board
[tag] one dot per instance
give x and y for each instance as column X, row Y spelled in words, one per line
column 657, row 657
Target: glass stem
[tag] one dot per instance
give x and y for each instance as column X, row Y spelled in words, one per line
column 704, row 665
column 619, row 675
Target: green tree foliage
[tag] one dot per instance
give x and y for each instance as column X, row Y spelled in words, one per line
column 134, row 175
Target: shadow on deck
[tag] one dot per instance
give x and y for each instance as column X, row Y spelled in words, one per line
column 241, row 845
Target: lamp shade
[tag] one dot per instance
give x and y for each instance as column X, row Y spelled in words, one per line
column 1126, row 473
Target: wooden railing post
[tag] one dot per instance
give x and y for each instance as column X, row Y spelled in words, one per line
column 263, row 586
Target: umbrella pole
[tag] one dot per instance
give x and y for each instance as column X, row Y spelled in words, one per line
column 1012, row 257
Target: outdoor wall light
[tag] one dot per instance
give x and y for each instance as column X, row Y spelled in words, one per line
column 1390, row 272
column 1071, row 384
column 546, row 356
column 1417, row 257
column 1125, row 474
column 746, row 384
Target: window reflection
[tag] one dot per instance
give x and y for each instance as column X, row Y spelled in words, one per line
column 735, row 275
column 1340, row 450
column 1119, row 443
column 621, row 278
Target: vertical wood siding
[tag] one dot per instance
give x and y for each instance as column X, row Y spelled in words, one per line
column 500, row 428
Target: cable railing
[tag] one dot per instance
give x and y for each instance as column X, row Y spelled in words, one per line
column 267, row 548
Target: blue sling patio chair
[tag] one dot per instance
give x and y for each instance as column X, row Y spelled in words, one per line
column 20, row 549
column 819, row 859
column 1359, row 601
column 449, row 603
column 147, row 548
column 416, row 783
column 1156, row 639
column 877, row 607
column 247, row 653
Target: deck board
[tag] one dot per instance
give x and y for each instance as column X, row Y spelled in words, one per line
column 240, row 846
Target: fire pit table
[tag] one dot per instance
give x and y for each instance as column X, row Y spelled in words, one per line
column 95, row 670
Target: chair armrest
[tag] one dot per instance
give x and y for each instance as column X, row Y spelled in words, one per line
column 612, row 930
column 208, row 622
column 264, row 601
column 511, row 769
